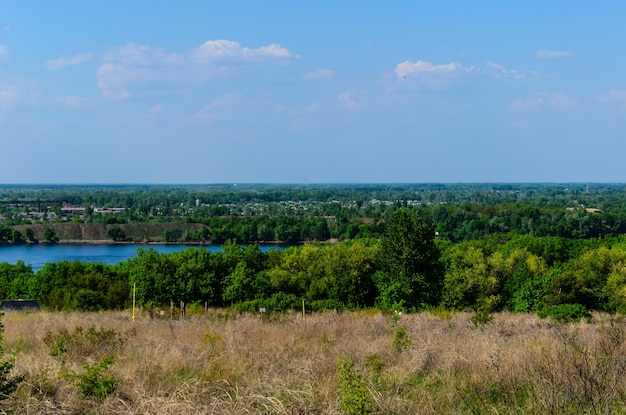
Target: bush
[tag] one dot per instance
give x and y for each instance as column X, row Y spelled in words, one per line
column 89, row 300
column 401, row 339
column 93, row 383
column 354, row 396
column 8, row 383
column 282, row 302
column 565, row 313
column 325, row 305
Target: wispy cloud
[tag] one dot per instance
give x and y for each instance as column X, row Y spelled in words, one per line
column 349, row 101
column 499, row 71
column 218, row 109
column 141, row 55
column 8, row 94
column 132, row 64
column 156, row 110
column 553, row 54
column 545, row 100
column 228, row 50
column 71, row 61
column 319, row 74
column 614, row 96
column 424, row 68
column 112, row 80
column 442, row 75
column 73, row 102
column 4, row 50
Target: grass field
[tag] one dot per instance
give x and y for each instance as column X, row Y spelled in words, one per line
column 354, row 363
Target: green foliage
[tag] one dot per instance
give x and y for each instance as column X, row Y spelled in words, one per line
column 482, row 316
column 89, row 300
column 15, row 280
column 68, row 345
column 30, row 234
column 116, row 233
column 50, row 235
column 471, row 277
column 401, row 340
column 411, row 274
column 69, row 285
column 564, row 313
column 9, row 382
column 94, row 382
column 354, row 396
column 172, row 235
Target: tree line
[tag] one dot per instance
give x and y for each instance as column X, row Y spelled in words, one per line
column 407, row 268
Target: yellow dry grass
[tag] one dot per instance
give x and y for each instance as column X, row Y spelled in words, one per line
column 224, row 363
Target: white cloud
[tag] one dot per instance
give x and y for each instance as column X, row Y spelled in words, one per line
column 441, row 75
column 141, row 55
column 8, row 94
column 4, row 50
column 228, row 50
column 111, row 81
column 552, row 54
column 425, row 68
column 502, row 72
column 546, row 100
column 348, row 101
column 615, row 96
column 125, row 67
column 319, row 74
column 156, row 110
column 216, row 109
column 73, row 102
column 71, row 61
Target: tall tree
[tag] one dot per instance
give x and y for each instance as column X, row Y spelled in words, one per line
column 410, row 274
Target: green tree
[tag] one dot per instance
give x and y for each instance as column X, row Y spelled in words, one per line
column 116, row 233
column 471, row 279
column 30, row 235
column 49, row 235
column 411, row 273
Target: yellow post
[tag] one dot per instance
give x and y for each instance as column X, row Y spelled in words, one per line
column 303, row 308
column 134, row 289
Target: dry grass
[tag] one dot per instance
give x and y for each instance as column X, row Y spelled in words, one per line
column 224, row 363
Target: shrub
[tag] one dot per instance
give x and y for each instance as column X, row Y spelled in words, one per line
column 354, row 396
column 401, row 339
column 325, row 305
column 481, row 317
column 92, row 382
column 93, row 342
column 89, row 300
column 565, row 313
column 8, row 382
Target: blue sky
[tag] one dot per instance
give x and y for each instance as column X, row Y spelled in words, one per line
column 312, row 92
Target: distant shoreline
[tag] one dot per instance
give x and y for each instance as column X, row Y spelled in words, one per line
column 111, row 242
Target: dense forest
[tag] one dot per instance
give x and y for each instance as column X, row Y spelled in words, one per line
column 517, row 247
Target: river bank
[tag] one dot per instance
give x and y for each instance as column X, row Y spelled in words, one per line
column 98, row 234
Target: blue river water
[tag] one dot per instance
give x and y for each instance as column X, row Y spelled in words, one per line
column 38, row 255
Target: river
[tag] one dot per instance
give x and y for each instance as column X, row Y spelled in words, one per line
column 38, row 255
